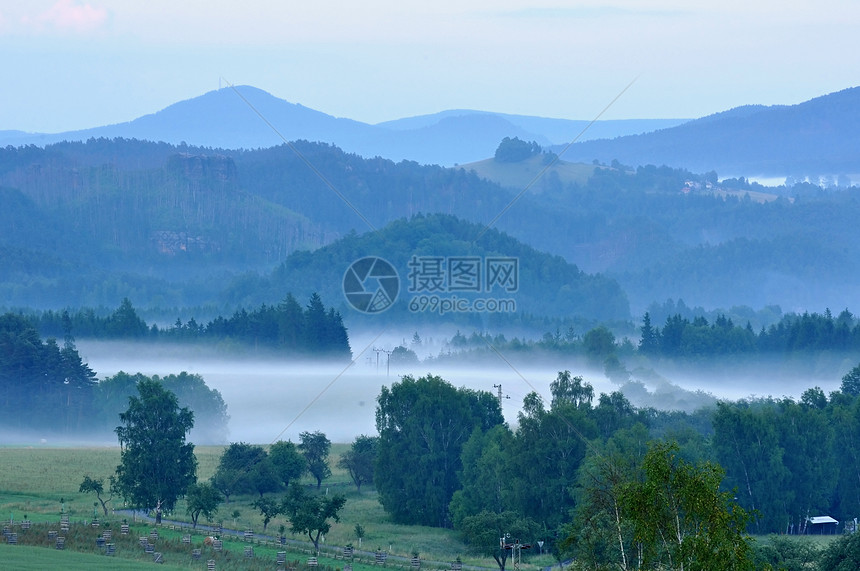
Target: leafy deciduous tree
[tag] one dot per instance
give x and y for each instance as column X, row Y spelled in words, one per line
column 310, row 513
column 269, row 509
column 423, row 424
column 360, row 459
column 567, row 389
column 157, row 465
column 599, row 343
column 602, row 533
column 245, row 468
column 486, row 474
column 842, row 554
column 682, row 519
column 851, row 382
column 845, row 418
column 549, row 447
column 315, row 447
column 202, row 499
column 403, row 356
column 210, row 410
column 90, row 485
column 747, row 444
column 788, row 553
column 287, row 461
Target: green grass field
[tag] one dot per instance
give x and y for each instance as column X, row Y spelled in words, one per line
column 26, row 557
column 40, row 481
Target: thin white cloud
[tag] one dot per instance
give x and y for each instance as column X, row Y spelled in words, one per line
column 66, row 16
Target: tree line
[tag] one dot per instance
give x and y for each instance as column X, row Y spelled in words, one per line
column 51, row 390
column 515, row 150
column 286, row 327
column 683, row 337
column 251, row 469
column 42, row 386
column 793, row 334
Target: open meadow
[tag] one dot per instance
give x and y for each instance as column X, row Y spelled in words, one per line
column 39, row 483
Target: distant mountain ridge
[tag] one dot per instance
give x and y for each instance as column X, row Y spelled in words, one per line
column 819, row 137
column 549, row 131
column 816, row 138
column 812, row 139
column 221, row 119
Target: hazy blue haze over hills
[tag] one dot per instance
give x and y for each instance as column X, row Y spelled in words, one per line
column 818, row 137
column 548, row 131
column 221, row 119
column 91, row 223
column 811, row 139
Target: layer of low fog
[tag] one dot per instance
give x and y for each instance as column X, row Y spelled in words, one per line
column 270, row 399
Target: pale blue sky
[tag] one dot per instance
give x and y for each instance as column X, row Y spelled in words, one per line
column 71, row 64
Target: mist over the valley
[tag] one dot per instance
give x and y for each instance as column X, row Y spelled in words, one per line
column 270, row 398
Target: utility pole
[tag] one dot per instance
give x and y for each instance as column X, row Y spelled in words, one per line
column 518, row 553
column 500, row 395
column 388, row 362
column 516, row 549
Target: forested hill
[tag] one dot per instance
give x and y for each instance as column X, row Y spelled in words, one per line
column 547, row 285
column 817, row 137
column 95, row 211
column 158, row 201
column 90, row 223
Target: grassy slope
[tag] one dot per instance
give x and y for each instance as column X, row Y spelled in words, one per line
column 518, row 175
